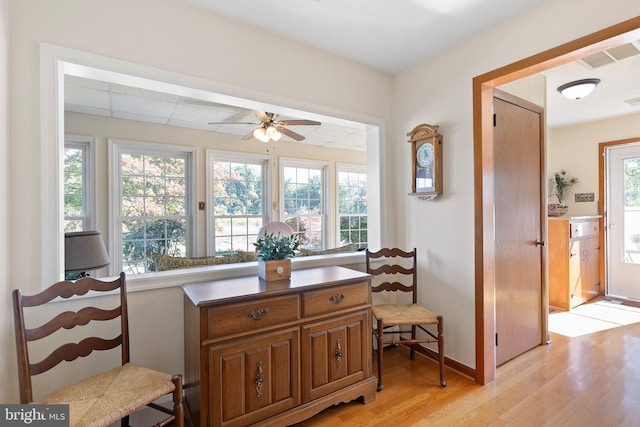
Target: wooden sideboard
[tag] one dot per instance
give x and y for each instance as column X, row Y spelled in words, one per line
column 574, row 260
column 280, row 352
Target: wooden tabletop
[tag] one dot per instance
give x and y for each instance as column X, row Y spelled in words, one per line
column 222, row 291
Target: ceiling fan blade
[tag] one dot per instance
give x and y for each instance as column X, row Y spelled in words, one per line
column 291, row 134
column 235, row 123
column 247, row 136
column 264, row 116
column 298, row 122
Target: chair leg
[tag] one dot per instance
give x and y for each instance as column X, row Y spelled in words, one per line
column 412, row 353
column 443, row 383
column 379, row 334
column 178, row 408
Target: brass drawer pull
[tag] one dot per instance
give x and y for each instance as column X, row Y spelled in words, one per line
column 337, row 298
column 258, row 313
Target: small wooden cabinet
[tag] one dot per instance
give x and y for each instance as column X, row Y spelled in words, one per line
column 574, row 261
column 277, row 353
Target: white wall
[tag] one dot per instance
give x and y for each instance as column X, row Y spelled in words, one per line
column 8, row 374
column 575, row 149
column 439, row 91
column 172, row 36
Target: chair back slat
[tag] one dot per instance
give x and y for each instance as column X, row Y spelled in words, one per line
column 66, row 289
column 392, row 287
column 391, row 269
column 394, row 261
column 67, row 320
column 71, row 319
column 71, row 351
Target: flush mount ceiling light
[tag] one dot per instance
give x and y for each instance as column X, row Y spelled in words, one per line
column 579, row 88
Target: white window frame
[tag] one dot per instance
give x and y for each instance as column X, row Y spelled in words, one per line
column 230, row 156
column 347, row 167
column 116, row 147
column 311, row 164
column 87, row 145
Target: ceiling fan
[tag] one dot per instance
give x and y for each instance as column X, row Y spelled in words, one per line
column 270, row 128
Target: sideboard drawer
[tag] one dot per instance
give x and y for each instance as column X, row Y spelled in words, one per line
column 249, row 316
column 338, row 298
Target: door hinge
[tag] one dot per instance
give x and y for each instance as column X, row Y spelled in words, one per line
column 494, row 120
column 496, row 339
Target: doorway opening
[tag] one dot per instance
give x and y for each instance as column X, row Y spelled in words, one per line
column 484, row 175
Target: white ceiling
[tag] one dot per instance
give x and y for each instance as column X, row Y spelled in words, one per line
column 389, row 35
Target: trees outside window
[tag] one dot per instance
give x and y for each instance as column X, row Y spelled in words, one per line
column 352, row 205
column 77, row 179
column 304, row 206
column 237, row 193
column 154, row 213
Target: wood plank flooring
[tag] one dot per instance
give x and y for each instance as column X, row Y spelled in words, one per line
column 590, row 380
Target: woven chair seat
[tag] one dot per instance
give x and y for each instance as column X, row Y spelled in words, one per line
column 107, row 397
column 404, row 314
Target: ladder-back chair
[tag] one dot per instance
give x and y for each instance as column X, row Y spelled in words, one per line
column 109, row 396
column 389, row 263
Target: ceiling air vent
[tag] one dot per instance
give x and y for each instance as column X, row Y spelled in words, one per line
column 612, row 55
column 635, row 102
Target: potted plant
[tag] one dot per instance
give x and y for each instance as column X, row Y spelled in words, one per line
column 274, row 254
column 561, row 184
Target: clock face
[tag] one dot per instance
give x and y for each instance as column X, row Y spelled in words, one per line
column 424, row 155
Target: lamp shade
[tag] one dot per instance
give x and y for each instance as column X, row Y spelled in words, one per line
column 83, row 251
column 579, row 88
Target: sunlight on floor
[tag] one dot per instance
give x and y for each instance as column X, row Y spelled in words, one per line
column 592, row 317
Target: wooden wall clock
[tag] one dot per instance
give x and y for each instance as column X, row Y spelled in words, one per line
column 426, row 160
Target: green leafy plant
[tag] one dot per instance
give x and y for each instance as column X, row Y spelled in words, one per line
column 635, row 238
column 276, row 247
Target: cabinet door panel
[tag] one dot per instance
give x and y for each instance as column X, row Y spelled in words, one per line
column 575, row 275
column 335, row 354
column 254, row 379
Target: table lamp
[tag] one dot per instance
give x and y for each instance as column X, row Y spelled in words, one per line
column 84, row 251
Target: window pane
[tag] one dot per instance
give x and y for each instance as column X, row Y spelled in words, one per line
column 238, row 207
column 75, row 201
column 303, row 203
column 352, row 208
column 153, row 207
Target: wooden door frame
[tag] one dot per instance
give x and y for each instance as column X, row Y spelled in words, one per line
column 483, row 85
column 602, row 189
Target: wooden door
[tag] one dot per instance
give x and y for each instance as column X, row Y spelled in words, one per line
column 518, row 156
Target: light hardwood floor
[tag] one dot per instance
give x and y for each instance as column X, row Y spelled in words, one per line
column 591, row 380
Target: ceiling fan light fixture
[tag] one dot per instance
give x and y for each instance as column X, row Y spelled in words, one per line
column 579, row 88
column 261, row 134
column 273, row 133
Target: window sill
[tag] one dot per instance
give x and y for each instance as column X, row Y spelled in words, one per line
column 172, row 278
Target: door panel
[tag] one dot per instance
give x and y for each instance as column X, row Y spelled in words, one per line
column 518, row 224
column 623, row 220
